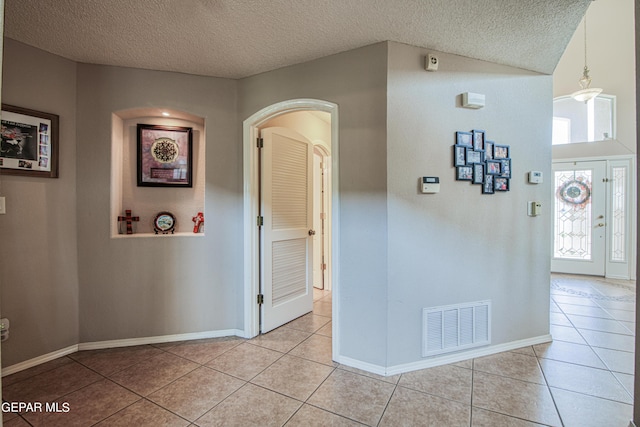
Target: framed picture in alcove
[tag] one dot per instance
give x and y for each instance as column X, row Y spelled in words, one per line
column 29, row 142
column 165, row 156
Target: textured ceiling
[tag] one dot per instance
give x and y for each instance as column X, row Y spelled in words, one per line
column 239, row 38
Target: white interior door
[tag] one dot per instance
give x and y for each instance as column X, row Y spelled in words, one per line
column 579, row 223
column 286, row 234
column 318, row 280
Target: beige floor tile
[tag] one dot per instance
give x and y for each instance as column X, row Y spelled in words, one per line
column 112, row 360
column 51, row 384
column 528, row 351
column 316, row 348
column 293, row 377
column 17, row 422
column 152, row 374
column 251, row 406
column 282, row 339
column 36, row 370
column 482, row 418
column 512, row 365
column 310, row 416
column 579, row 410
column 569, row 352
column 617, row 361
column 627, row 382
column 564, row 299
column 608, row 340
column 468, row 364
column 353, row 396
column 203, row 351
column 144, row 413
column 308, row 323
column 627, row 316
column 448, row 381
column 245, row 361
column 559, row 319
column 322, row 308
column 87, row 406
column 617, row 305
column 553, row 308
column 582, row 379
column 392, row 379
column 631, row 326
column 514, row 398
column 8, row 416
column 196, row 393
column 412, row 408
column 565, row 333
column 598, row 324
column 325, row 330
column 582, row 310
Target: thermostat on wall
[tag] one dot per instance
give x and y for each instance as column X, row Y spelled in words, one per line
column 429, row 184
column 535, row 177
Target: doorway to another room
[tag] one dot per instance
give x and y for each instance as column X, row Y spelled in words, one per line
column 290, row 174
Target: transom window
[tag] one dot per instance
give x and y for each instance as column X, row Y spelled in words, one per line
column 575, row 121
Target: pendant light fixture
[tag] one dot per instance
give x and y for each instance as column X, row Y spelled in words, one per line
column 587, row 92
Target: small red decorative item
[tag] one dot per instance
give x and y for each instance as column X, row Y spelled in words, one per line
column 129, row 219
column 198, row 221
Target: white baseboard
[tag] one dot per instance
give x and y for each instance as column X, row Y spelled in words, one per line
column 442, row 360
column 38, row 360
column 632, row 424
column 98, row 345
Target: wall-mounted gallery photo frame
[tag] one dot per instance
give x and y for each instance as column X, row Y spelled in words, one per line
column 501, row 152
column 505, row 168
column 474, row 156
column 29, row 142
column 478, row 139
column 464, row 173
column 487, row 186
column 459, row 155
column 493, row 167
column 478, row 173
column 488, row 150
column 500, row 183
column 464, row 139
column 165, row 156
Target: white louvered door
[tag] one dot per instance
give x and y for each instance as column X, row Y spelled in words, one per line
column 286, row 243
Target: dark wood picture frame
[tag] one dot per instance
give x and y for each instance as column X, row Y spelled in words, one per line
column 162, row 161
column 494, row 167
column 501, row 183
column 478, row 173
column 478, row 139
column 488, row 150
column 474, row 156
column 464, row 139
column 29, row 142
column 501, row 152
column 505, row 168
column 459, row 155
column 487, row 186
column 464, row 173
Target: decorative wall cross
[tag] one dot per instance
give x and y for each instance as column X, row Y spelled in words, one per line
column 198, row 221
column 129, row 219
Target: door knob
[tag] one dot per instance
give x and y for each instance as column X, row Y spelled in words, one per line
column 312, row 232
column 601, row 224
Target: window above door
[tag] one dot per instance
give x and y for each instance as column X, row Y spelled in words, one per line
column 590, row 121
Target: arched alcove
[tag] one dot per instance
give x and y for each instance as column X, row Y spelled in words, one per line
column 146, row 202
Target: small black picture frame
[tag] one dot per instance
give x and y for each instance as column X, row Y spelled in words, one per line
column 494, row 167
column 474, row 156
column 500, row 183
column 464, row 138
column 464, row 173
column 478, row 173
column 487, row 186
column 459, row 155
column 501, row 151
column 488, row 150
column 165, row 156
column 478, row 139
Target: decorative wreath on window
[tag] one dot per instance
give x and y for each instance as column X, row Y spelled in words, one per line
column 575, row 192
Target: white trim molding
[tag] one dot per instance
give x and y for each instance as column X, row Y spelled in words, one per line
column 250, row 129
column 39, row 360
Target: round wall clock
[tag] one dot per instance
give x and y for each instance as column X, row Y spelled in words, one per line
column 164, row 223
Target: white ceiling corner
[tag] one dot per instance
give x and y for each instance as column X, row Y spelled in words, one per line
column 239, row 38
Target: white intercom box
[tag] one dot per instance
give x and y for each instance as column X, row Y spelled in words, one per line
column 429, row 184
column 473, row 100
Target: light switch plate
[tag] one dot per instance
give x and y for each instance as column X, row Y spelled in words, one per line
column 3, row 209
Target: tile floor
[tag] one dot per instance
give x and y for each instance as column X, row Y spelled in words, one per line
column 584, row 378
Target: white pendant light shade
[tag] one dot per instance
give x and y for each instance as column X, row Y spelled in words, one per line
column 587, row 92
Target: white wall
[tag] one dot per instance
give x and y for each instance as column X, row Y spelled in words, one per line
column 611, row 61
column 460, row 245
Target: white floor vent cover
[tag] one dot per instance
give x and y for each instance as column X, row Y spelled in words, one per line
column 455, row 327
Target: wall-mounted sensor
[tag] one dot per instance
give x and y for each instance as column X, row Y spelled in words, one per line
column 473, row 100
column 431, row 62
column 429, row 184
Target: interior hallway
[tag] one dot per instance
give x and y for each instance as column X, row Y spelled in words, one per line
column 584, row 378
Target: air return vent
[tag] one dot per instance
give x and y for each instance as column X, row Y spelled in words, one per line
column 455, row 327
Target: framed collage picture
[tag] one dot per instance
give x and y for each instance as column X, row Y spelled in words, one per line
column 164, row 156
column 481, row 161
